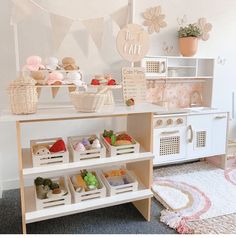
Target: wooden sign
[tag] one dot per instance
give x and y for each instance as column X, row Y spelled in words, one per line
column 132, row 43
column 134, row 84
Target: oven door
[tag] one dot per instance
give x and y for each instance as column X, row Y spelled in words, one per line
column 169, row 145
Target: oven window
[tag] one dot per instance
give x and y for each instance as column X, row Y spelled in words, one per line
column 169, row 145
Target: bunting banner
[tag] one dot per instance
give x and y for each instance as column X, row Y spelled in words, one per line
column 81, row 37
column 61, row 25
column 21, row 9
column 60, row 28
column 95, row 29
column 120, row 17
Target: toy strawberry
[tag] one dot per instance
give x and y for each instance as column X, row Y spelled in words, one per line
column 58, row 146
column 95, row 82
column 111, row 82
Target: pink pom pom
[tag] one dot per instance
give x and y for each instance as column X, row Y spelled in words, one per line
column 33, row 60
column 33, row 63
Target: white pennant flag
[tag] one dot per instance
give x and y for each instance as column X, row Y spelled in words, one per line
column 120, row 17
column 81, row 37
column 60, row 28
column 20, row 10
column 95, row 29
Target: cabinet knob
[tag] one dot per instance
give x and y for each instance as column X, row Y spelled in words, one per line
column 179, row 121
column 159, row 122
column 169, row 122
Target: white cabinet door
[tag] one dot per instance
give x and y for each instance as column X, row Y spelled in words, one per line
column 219, row 133
column 169, row 145
column 199, row 136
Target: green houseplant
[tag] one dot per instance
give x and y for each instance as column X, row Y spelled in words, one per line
column 188, row 39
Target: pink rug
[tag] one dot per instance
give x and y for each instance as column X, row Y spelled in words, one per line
column 199, row 198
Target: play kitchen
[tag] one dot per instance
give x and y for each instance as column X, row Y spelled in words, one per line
column 189, row 136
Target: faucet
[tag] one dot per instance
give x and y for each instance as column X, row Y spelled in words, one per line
column 196, row 99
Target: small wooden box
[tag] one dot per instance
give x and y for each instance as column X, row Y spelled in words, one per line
column 83, row 155
column 57, row 201
column 115, row 190
column 45, row 160
column 122, row 149
column 88, row 195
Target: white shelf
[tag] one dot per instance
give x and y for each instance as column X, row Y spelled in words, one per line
column 182, row 67
column 29, row 171
column 70, row 113
column 34, row 216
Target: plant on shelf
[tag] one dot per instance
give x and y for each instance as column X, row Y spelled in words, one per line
column 188, row 39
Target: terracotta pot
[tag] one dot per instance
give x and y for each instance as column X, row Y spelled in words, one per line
column 188, row 46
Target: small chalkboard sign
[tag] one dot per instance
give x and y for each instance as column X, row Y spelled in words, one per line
column 134, row 84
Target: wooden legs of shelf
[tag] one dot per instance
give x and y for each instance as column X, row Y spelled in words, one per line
column 144, row 207
column 20, row 165
column 144, row 171
column 141, row 128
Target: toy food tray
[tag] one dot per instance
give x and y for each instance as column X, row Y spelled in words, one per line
column 121, row 149
column 49, row 159
column 88, row 195
column 130, row 185
column 57, row 199
column 88, row 154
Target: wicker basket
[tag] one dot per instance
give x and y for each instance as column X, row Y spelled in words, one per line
column 23, row 96
column 87, row 102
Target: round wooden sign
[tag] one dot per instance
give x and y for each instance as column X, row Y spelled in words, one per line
column 132, row 42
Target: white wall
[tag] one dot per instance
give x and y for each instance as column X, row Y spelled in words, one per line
column 34, row 38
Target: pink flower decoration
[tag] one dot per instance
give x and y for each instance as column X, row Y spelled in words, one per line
column 55, row 77
column 34, row 63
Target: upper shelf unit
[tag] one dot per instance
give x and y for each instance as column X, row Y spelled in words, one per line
column 161, row 67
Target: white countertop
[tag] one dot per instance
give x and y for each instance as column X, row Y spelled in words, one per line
column 64, row 112
column 70, row 112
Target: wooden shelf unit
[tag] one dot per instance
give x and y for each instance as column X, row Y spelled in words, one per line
column 140, row 163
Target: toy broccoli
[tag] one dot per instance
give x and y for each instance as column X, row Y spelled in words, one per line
column 38, row 181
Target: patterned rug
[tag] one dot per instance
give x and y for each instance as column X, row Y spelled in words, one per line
column 199, row 198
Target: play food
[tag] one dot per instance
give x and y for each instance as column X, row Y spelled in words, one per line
column 78, row 181
column 95, row 82
column 58, row 146
column 68, row 63
column 91, row 180
column 33, row 63
column 111, row 82
column 96, row 144
column 130, row 102
column 41, row 150
column 122, row 142
column 55, row 77
column 79, row 147
column 123, row 136
column 114, row 172
column 51, row 63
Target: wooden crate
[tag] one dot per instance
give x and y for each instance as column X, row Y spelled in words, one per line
column 53, row 158
column 88, row 195
column 57, row 201
column 115, row 190
column 122, row 149
column 83, row 155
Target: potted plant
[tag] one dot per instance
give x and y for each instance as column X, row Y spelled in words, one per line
column 188, row 39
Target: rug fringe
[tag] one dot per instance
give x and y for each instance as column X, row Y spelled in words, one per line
column 176, row 221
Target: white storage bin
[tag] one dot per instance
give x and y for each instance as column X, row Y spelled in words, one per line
column 57, row 200
column 88, row 195
column 53, row 158
column 115, row 190
column 122, row 149
column 88, row 154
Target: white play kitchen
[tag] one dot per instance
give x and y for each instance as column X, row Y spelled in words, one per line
column 165, row 117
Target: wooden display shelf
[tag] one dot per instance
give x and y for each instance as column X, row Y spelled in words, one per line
column 29, row 170
column 34, row 216
column 141, row 163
